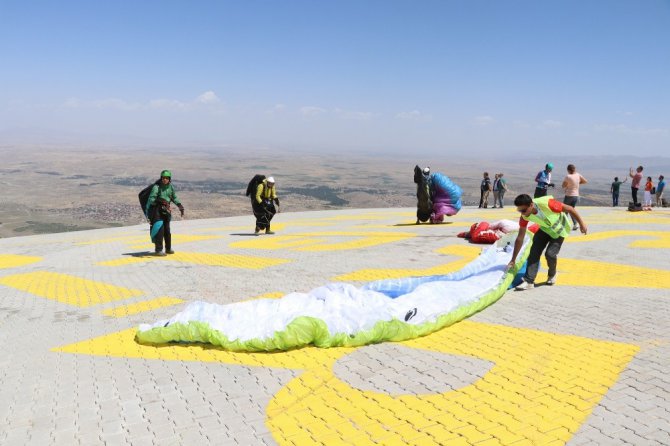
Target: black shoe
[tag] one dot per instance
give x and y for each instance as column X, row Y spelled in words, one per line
column 267, row 231
column 169, row 251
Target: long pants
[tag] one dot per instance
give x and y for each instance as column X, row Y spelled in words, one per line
column 501, row 194
column 263, row 213
column 163, row 233
column 615, row 198
column 634, row 193
column 659, row 199
column 496, row 198
column 539, row 192
column 571, row 200
column 542, row 240
column 484, row 199
column 647, row 198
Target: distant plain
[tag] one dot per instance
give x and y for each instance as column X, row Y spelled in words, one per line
column 59, row 189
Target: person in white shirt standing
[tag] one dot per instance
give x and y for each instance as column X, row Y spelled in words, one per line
column 571, row 184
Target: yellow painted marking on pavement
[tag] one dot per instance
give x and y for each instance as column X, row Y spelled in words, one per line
column 541, row 388
column 15, row 260
column 652, row 239
column 197, row 258
column 68, row 289
column 467, row 252
column 317, row 241
column 273, row 295
column 630, row 219
column 576, row 272
column 140, row 307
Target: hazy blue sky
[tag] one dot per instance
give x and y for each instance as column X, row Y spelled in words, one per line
column 461, row 77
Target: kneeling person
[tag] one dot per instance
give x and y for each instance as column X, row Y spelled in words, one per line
column 160, row 213
column 554, row 224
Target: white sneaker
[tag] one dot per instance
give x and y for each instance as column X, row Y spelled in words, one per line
column 552, row 280
column 524, row 286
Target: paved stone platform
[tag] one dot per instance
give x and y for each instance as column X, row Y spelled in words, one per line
column 586, row 361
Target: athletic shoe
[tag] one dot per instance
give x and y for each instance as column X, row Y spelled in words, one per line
column 267, row 231
column 169, row 251
column 551, row 280
column 257, row 230
column 575, row 227
column 159, row 254
column 524, row 286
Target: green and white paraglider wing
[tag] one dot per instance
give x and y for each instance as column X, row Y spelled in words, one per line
column 340, row 314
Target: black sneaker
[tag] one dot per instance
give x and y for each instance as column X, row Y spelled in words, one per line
column 169, row 251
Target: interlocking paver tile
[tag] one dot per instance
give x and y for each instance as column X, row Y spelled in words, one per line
column 593, row 369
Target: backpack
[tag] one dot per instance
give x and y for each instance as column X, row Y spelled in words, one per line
column 253, row 184
column 144, row 196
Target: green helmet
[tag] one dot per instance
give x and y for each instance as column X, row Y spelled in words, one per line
column 166, row 173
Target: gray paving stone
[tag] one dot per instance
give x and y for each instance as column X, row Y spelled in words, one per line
column 56, row 398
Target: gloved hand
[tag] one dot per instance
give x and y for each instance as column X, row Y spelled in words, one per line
column 550, row 185
column 181, row 209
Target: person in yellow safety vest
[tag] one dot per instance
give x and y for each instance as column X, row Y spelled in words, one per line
column 263, row 205
column 550, row 215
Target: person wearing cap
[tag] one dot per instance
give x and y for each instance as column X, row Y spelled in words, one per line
column 160, row 213
column 264, row 205
column 543, row 180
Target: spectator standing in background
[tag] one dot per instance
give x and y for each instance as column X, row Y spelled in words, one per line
column 502, row 188
column 485, row 189
column 496, row 191
column 570, row 185
column 615, row 190
column 659, row 191
column 648, row 191
column 635, row 184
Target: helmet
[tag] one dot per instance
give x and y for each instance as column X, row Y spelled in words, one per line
column 426, row 170
column 549, row 166
column 271, row 180
column 166, row 173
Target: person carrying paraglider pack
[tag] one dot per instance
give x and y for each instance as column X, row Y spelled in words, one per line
column 263, row 200
column 159, row 212
column 424, row 206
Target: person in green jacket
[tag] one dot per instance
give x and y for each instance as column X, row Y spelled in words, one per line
column 263, row 204
column 160, row 213
column 550, row 215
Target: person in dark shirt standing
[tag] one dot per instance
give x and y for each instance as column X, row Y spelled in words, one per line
column 485, row 189
column 615, row 190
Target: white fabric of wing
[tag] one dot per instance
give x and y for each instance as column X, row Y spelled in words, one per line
column 345, row 308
